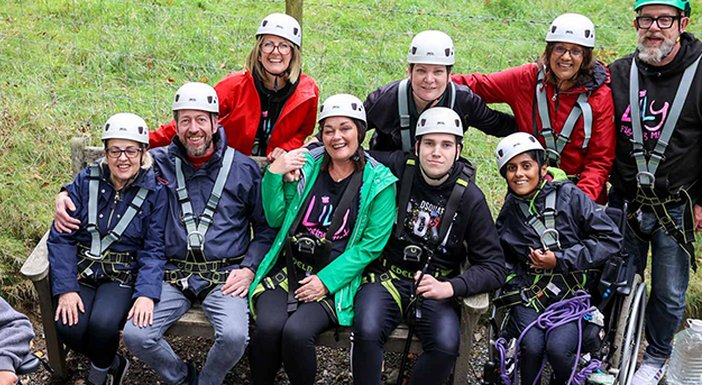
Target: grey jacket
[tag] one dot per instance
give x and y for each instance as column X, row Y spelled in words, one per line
column 15, row 334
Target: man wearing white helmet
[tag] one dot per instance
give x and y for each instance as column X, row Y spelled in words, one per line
column 333, row 222
column 442, row 221
column 657, row 94
column 564, row 100
column 214, row 204
column 555, row 240
column 393, row 109
column 116, row 256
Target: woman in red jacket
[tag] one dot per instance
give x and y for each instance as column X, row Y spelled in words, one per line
column 271, row 106
column 562, row 99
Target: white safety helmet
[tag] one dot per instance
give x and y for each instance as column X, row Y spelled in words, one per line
column 572, row 28
column 342, row 105
column 125, row 125
column 280, row 24
column 196, row 96
column 431, row 47
column 439, row 120
column 513, row 145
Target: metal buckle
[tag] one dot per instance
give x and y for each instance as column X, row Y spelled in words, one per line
column 555, row 234
column 305, row 244
column 89, row 255
column 412, row 253
column 199, row 237
column 280, row 277
column 645, row 178
column 553, row 155
column 384, row 277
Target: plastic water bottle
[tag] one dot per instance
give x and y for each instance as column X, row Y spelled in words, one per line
column 686, row 361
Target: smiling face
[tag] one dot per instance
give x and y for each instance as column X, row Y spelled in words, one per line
column 275, row 54
column 429, row 82
column 123, row 159
column 195, row 129
column 565, row 60
column 437, row 153
column 523, row 174
column 340, row 138
column 655, row 45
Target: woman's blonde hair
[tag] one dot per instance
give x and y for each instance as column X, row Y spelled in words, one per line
column 254, row 65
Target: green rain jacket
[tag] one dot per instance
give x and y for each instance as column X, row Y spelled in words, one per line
column 376, row 215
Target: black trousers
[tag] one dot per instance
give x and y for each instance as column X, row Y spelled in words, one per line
column 286, row 338
column 377, row 315
column 96, row 334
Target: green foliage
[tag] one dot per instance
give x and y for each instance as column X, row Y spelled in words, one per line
column 67, row 65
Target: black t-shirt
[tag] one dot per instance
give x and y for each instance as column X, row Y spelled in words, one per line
column 272, row 103
column 318, row 215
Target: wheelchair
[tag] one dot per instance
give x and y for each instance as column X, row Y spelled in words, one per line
column 619, row 295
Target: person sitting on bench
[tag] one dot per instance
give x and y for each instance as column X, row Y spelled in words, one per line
column 15, row 335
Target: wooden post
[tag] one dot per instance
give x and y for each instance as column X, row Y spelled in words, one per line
column 294, row 9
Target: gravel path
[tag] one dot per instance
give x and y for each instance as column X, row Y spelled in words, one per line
column 333, row 364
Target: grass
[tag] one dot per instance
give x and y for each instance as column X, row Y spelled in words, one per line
column 67, row 65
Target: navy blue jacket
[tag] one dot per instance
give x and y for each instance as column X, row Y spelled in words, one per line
column 239, row 209
column 587, row 234
column 143, row 236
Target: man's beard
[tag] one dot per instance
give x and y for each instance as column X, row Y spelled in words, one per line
column 654, row 55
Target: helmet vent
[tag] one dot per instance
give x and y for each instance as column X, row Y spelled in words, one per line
column 587, row 33
column 296, row 31
column 354, row 106
column 265, row 23
column 457, row 123
column 177, row 97
column 413, row 50
column 423, row 122
column 209, row 99
column 141, row 130
column 107, row 127
column 447, row 52
column 553, row 28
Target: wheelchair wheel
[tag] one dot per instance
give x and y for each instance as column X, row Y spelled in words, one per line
column 628, row 333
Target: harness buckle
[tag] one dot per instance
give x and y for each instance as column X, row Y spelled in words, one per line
column 384, row 277
column 553, row 155
column 196, row 238
column 91, row 256
column 280, row 277
column 306, row 244
column 412, row 253
column 555, row 235
column 645, row 178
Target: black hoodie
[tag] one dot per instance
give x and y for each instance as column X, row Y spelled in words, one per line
column 682, row 165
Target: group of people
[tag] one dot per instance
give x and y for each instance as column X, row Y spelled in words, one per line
column 330, row 234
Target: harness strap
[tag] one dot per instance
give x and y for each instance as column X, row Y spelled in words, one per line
column 555, row 143
column 98, row 244
column 546, row 230
column 197, row 227
column 544, row 291
column 647, row 169
column 109, row 263
column 403, row 110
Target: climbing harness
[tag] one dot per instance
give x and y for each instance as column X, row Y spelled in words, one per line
column 403, row 109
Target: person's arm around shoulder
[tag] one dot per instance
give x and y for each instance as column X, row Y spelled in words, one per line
column 498, row 87
column 15, row 335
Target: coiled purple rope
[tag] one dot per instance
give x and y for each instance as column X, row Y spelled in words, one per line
column 558, row 314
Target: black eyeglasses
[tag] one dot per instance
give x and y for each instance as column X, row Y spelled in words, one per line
column 664, row 22
column 574, row 52
column 115, row 152
column 268, row 47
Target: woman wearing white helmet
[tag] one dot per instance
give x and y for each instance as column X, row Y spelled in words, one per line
column 564, row 98
column 117, row 253
column 554, row 237
column 394, row 108
column 442, row 214
column 270, row 107
column 333, row 221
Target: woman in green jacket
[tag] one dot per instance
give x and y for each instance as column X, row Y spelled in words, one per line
column 323, row 202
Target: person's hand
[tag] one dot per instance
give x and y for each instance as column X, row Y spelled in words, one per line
column 142, row 312
column 238, row 282
column 7, row 377
column 63, row 222
column 275, row 154
column 542, row 259
column 292, row 176
column 311, row 289
column 430, row 287
column 69, row 304
column 293, row 160
column 698, row 217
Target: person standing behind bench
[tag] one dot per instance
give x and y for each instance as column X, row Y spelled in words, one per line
column 214, row 203
column 117, row 253
column 333, row 219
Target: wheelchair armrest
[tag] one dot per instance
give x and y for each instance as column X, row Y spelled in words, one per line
column 30, row 364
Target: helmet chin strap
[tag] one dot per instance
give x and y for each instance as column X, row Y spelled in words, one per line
column 275, row 77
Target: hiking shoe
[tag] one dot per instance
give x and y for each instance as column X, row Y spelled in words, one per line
column 648, row 374
column 118, row 371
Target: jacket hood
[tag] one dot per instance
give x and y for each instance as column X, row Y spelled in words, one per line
column 690, row 50
column 600, row 77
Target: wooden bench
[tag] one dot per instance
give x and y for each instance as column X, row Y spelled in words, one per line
column 194, row 323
